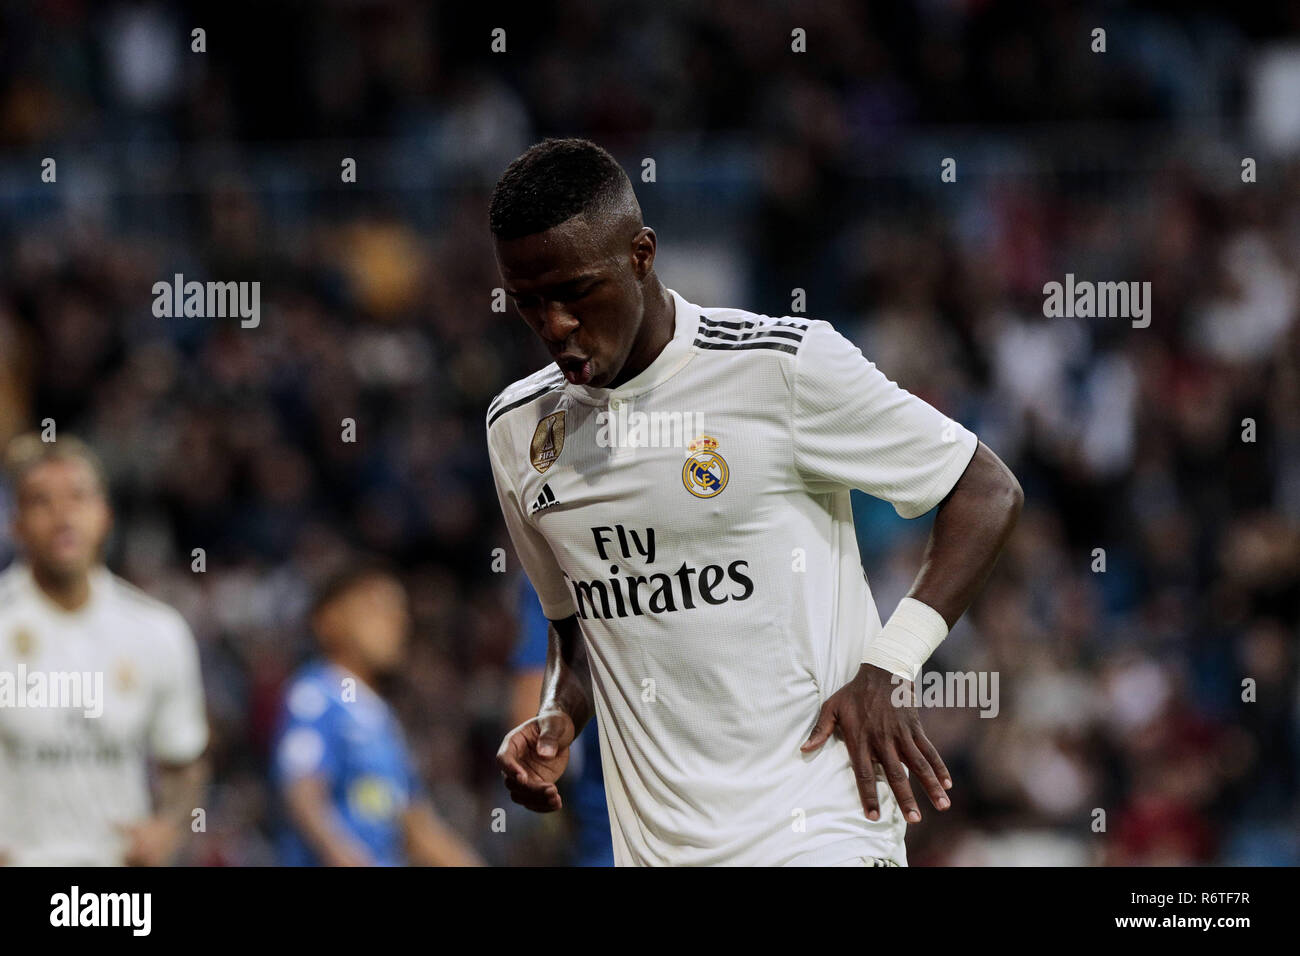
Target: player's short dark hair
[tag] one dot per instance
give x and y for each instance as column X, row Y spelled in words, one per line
column 342, row 583
column 551, row 183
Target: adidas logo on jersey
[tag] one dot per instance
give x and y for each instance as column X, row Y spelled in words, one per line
column 545, row 500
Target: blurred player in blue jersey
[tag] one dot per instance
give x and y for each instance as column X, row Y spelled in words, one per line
column 349, row 792
column 585, row 794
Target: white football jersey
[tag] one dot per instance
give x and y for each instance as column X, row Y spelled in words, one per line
column 697, row 520
column 86, row 698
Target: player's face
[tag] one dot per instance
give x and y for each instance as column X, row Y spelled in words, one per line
column 581, row 293
column 378, row 621
column 62, row 517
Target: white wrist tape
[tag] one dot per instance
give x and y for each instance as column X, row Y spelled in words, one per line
column 908, row 639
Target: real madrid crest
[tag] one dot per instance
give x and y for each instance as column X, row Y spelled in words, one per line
column 125, row 676
column 705, row 472
column 548, row 441
column 24, row 643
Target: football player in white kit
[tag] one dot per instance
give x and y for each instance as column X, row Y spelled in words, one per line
column 677, row 487
column 97, row 679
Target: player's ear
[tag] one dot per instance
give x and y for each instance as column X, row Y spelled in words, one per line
column 109, row 521
column 329, row 623
column 644, row 245
column 319, row 623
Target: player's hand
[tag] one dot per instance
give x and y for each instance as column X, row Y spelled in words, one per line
column 878, row 732
column 532, row 757
column 151, row 842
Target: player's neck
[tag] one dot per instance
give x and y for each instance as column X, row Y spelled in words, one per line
column 354, row 668
column 657, row 328
column 68, row 592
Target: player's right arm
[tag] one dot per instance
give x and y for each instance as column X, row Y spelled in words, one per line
column 534, row 755
column 305, row 769
column 307, row 801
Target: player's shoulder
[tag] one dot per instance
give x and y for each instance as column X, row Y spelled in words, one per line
column 524, row 393
column 14, row 592
column 309, row 693
column 152, row 616
column 12, row 580
column 733, row 332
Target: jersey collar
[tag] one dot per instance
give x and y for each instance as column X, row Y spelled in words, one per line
column 366, row 695
column 675, row 354
column 101, row 582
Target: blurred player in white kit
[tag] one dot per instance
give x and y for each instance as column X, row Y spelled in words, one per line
column 97, row 680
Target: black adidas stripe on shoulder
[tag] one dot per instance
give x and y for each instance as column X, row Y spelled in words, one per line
column 776, row 334
column 497, row 411
column 530, row 384
column 741, row 346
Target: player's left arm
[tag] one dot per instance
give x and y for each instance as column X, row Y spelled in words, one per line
column 178, row 737
column 970, row 528
column 853, row 426
column 430, row 842
column 155, row 840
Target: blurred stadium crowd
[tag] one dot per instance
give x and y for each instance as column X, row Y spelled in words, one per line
column 1120, row 690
